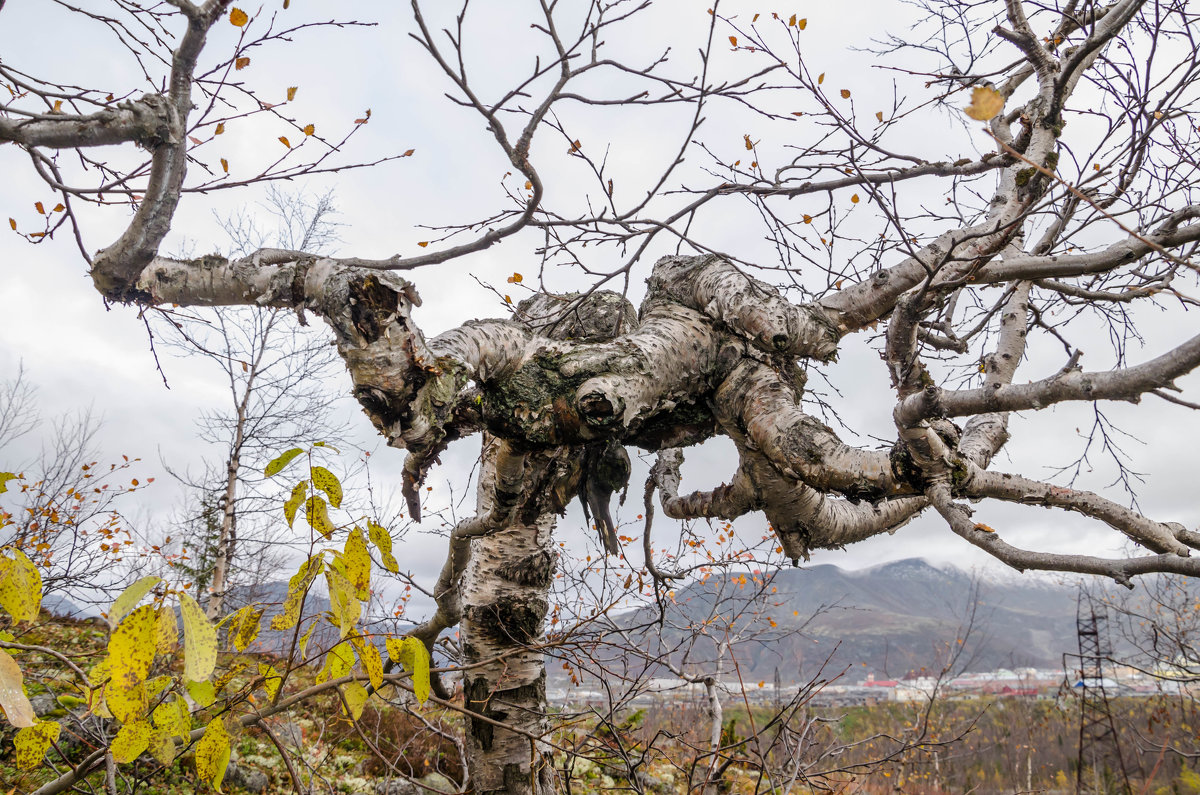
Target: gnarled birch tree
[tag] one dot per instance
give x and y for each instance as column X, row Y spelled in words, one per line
column 1081, row 204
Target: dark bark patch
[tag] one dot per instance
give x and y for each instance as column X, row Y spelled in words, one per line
column 535, row 571
column 510, row 619
column 372, row 306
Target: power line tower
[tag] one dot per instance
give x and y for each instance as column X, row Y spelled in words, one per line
column 1100, row 767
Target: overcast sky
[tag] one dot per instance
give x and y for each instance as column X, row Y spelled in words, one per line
column 82, row 355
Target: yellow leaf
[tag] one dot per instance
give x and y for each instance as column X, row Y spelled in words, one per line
column 358, row 563
column 383, row 542
column 131, row 648
column 792, row 21
column 203, row 693
column 845, row 93
column 291, row 92
column 283, row 140
column 879, row 115
column 297, row 588
column 345, row 607
column 174, row 717
column 13, row 700
column 220, row 128
column 271, row 679
column 317, row 514
column 238, row 17
column 241, row 63
column 808, row 219
column 245, row 625
column 212, row 753
column 225, row 165
column 986, row 102
column 20, row 586
column 802, row 23
column 338, row 662
column 166, row 631
column 748, row 142
column 327, row 482
column 129, row 598
column 131, row 741
column 356, row 696
column 371, row 661
column 411, row 654
column 162, row 747
column 299, row 492
column 33, row 741
column 309, row 129
column 199, row 641
column 820, row 78
column 57, row 106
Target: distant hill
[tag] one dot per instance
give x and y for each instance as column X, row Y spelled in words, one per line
column 889, row 620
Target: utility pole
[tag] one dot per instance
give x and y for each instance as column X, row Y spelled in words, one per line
column 1100, row 767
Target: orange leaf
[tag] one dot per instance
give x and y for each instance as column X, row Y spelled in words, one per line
column 13, row 223
column 733, row 40
column 514, row 279
column 309, row 129
column 792, row 21
column 820, row 78
column 38, row 206
column 220, row 128
column 408, row 153
column 57, row 106
column 879, row 115
column 365, row 118
column 854, row 199
column 291, row 94
column 749, row 143
column 845, row 93
column 241, row 63
column 423, row 243
column 808, row 219
column 58, row 208
column 283, row 140
column 238, row 17
column 802, row 23
column 225, row 165
column 528, row 185
column 984, row 528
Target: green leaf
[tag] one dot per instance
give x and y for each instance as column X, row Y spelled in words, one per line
column 277, row 464
column 20, row 586
column 32, row 743
column 131, row 648
column 382, row 540
column 244, row 626
column 299, row 492
column 13, row 700
column 130, row 597
column 411, row 654
column 199, row 641
column 212, row 753
column 4, row 478
column 356, row 696
column 297, row 588
column 131, row 741
column 327, row 482
column 317, row 514
column 358, row 563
